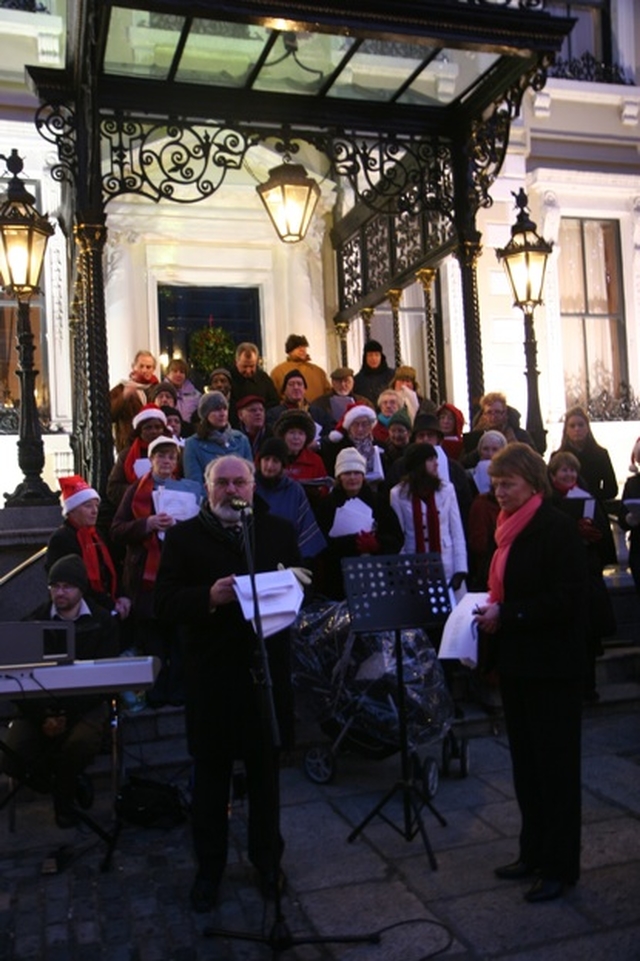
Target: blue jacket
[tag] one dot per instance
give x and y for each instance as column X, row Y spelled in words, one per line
column 197, row 453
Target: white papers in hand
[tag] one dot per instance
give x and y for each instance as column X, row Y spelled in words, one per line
column 181, row 505
column 354, row 516
column 279, row 599
column 460, row 635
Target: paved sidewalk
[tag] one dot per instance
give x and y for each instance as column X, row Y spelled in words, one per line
column 139, row 910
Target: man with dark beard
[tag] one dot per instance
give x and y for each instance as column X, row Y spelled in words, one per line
column 195, row 588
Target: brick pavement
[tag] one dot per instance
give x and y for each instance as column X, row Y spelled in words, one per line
column 138, row 911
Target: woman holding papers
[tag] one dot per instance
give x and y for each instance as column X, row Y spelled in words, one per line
column 354, row 521
column 535, row 616
column 148, row 509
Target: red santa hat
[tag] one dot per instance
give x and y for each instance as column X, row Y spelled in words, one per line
column 75, row 491
column 148, row 412
column 352, row 413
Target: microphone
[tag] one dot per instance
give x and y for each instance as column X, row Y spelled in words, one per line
column 238, row 504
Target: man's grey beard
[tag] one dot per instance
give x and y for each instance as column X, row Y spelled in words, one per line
column 227, row 516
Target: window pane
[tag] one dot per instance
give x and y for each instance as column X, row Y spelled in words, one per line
column 9, row 383
column 593, row 324
column 572, row 296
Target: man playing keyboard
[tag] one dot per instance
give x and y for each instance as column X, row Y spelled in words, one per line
column 54, row 738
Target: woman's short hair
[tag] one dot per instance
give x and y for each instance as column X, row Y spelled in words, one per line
column 563, row 458
column 390, row 392
column 520, row 459
column 177, row 363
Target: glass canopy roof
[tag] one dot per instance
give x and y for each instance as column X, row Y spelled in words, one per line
column 247, row 56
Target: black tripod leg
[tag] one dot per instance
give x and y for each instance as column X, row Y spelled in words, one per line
column 374, row 811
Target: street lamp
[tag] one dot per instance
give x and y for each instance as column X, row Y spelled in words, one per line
column 23, row 240
column 525, row 261
column 290, row 197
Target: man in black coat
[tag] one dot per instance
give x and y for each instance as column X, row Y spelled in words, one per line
column 224, row 702
column 54, row 738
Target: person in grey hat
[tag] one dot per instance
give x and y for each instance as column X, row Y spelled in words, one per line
column 315, row 378
column 52, row 740
column 214, row 437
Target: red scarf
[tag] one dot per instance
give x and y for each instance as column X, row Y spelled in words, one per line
column 142, row 507
column 507, row 529
column 433, row 523
column 135, row 452
column 94, row 551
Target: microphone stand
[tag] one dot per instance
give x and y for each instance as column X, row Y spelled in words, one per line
column 279, row 937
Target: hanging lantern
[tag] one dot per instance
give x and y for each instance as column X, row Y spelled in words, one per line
column 290, row 197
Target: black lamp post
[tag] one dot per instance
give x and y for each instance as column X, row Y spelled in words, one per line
column 525, row 261
column 24, row 234
column 290, row 197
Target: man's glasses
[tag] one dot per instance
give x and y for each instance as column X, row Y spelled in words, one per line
column 223, row 482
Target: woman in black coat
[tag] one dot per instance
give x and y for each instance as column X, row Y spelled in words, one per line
column 534, row 619
column 596, row 469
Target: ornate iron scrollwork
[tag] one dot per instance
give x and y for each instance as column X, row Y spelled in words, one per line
column 394, row 173
column 56, row 123
column 170, row 161
column 587, row 67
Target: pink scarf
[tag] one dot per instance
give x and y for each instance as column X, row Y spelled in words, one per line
column 507, row 529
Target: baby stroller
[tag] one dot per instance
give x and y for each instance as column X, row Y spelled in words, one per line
column 348, row 683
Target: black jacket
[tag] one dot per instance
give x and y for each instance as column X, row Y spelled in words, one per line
column 543, row 615
column 222, row 709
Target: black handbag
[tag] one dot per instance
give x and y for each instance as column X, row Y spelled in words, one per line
column 150, row 804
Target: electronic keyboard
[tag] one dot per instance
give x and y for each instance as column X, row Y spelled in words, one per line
column 110, row 674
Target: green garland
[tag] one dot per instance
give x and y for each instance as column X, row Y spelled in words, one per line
column 211, row 347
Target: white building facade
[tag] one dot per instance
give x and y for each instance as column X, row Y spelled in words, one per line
column 574, row 149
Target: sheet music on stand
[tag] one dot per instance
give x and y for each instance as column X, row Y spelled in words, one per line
column 395, row 591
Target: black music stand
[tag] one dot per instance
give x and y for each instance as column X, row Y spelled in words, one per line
column 393, row 593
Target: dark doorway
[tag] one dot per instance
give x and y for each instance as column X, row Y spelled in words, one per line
column 184, row 310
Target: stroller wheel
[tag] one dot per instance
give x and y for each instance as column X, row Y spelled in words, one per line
column 430, row 778
column 319, row 765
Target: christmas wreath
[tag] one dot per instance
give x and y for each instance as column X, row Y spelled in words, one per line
column 211, row 347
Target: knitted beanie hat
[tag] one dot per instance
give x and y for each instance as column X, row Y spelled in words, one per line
column 274, row 447
column 349, row 459
column 401, row 417
column 212, row 400
column 69, row 569
column 293, row 373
